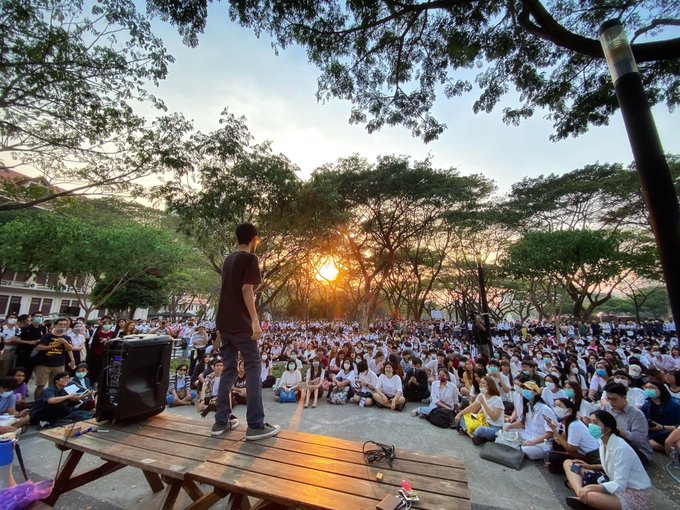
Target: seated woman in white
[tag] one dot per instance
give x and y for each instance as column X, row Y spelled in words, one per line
column 365, row 384
column 314, row 381
column 291, row 379
column 389, row 391
column 444, row 394
column 490, row 403
column 536, row 433
column 552, row 390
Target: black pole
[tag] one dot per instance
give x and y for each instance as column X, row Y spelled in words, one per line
column 485, row 303
column 658, row 190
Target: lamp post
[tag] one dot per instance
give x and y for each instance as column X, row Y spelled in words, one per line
column 657, row 185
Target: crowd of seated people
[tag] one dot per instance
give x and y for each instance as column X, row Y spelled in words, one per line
column 549, row 386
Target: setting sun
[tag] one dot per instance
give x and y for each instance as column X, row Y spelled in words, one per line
column 327, row 271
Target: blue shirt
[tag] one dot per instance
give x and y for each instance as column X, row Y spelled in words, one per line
column 7, row 403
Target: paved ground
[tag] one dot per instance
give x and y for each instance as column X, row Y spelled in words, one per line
column 492, row 486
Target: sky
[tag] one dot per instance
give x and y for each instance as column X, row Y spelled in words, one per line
column 234, row 69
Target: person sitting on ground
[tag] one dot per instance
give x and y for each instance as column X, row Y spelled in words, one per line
column 377, row 363
column 199, row 373
column 21, row 391
column 8, row 404
column 211, row 383
column 489, row 403
column 179, row 389
column 663, row 413
column 343, row 383
column 238, row 391
column 630, row 421
column 599, row 380
column 82, row 383
column 536, row 433
column 635, row 396
column 291, row 379
column 444, row 394
column 314, row 381
column 672, row 379
column 415, row 383
column 574, row 393
column 571, row 437
column 266, row 376
column 628, row 485
column 365, row 384
column 389, row 390
column 672, row 445
column 552, row 390
column 468, row 378
column 55, row 406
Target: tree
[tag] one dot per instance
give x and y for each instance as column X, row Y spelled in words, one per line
column 72, row 76
column 392, row 58
column 87, row 255
column 146, row 290
column 384, row 208
column 587, row 264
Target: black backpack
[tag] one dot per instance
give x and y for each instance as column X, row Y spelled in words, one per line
column 441, row 417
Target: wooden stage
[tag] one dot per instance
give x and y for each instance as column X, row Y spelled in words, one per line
column 291, row 470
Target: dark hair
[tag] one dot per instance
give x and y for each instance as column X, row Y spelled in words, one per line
column 361, row 366
column 481, row 373
column 491, row 386
column 417, row 361
column 182, row 365
column 14, row 371
column 664, row 394
column 61, row 319
column 81, row 365
column 569, row 405
column 245, row 233
column 8, row 383
column 607, row 420
column 58, row 376
column 578, row 392
column 616, row 388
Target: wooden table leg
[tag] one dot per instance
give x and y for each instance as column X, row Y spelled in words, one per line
column 208, row 500
column 192, row 489
column 170, row 496
column 63, row 476
column 93, row 474
column 154, row 481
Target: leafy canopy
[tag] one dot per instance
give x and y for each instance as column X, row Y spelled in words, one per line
column 392, row 58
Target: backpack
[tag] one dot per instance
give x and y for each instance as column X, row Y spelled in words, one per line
column 441, row 417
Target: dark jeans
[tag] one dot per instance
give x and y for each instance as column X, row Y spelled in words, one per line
column 231, row 346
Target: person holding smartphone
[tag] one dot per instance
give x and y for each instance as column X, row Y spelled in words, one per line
column 626, row 484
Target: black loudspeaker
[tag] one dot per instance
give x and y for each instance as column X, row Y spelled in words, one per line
column 134, row 382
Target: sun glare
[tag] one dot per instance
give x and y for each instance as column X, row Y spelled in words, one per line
column 327, row 271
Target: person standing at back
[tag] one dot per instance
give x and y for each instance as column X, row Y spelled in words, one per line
column 239, row 329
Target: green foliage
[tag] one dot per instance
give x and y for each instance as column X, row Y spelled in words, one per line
column 72, row 76
column 392, row 59
column 147, row 290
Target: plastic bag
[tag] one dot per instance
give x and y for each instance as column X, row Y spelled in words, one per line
column 22, row 495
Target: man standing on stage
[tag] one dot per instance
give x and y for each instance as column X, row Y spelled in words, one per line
column 239, row 329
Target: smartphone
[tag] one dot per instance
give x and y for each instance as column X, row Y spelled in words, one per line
column 576, row 468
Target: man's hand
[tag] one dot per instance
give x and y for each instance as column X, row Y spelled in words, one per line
column 75, row 396
column 257, row 331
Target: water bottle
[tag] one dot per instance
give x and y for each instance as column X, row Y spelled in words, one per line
column 6, row 458
column 362, row 402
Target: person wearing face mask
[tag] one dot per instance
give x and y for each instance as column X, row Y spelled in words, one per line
column 631, row 421
column 388, row 391
column 415, row 383
column 571, row 437
column 97, row 348
column 662, row 412
column 77, row 336
column 628, row 485
column 599, row 381
column 27, row 340
column 636, row 396
column 8, row 403
column 552, row 390
column 81, row 380
column 490, row 403
column 536, row 433
column 53, row 352
column 291, row 379
column 314, row 381
column 444, row 394
column 8, row 332
column 343, row 383
column 266, row 375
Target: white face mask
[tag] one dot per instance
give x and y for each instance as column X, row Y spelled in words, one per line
column 622, row 381
column 574, row 370
column 484, row 391
column 560, row 412
column 550, row 385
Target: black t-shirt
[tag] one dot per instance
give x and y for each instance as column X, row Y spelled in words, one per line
column 239, row 268
column 30, row 332
column 56, row 356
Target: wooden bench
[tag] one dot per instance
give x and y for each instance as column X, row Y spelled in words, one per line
column 291, row 470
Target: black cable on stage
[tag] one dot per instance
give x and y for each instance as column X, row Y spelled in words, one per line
column 385, row 451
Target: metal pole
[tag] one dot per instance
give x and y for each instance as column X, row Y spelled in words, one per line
column 658, row 190
column 485, row 303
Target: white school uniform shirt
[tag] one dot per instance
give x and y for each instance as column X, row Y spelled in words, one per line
column 369, row 378
column 493, row 402
column 449, row 395
column 549, row 397
column 579, row 436
column 622, row 466
column 390, row 386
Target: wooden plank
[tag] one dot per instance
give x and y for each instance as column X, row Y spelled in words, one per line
column 279, row 490
column 445, row 496
column 327, row 442
column 192, row 489
column 188, row 435
column 154, row 481
column 208, row 500
column 90, row 476
column 147, row 460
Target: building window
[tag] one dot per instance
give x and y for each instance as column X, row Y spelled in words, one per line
column 41, row 278
column 52, row 279
column 69, row 307
column 46, row 306
column 22, row 276
column 35, row 305
column 4, row 299
column 14, row 305
column 8, row 275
